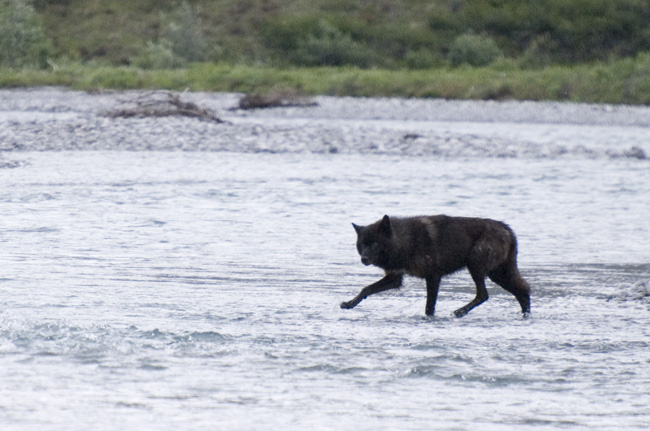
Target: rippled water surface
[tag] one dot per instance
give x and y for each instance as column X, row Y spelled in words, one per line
column 201, row 290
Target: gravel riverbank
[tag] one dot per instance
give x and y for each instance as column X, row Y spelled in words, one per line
column 53, row 119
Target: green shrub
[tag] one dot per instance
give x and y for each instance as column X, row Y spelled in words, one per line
column 473, row 50
column 328, row 46
column 637, row 85
column 539, row 52
column 159, row 55
column 565, row 31
column 185, row 34
column 182, row 42
column 22, row 42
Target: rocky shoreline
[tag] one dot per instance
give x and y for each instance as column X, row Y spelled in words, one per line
column 54, row 119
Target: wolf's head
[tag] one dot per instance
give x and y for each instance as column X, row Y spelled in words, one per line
column 374, row 242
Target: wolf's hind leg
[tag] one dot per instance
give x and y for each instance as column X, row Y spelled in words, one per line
column 390, row 281
column 510, row 279
column 481, row 293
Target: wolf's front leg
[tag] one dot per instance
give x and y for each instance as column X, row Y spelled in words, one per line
column 390, row 281
column 433, row 284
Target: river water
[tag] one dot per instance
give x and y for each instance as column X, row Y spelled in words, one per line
column 195, row 283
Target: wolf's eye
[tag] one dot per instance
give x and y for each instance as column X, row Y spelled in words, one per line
column 368, row 242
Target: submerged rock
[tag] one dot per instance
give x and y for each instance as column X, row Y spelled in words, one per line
column 635, row 153
column 639, row 291
column 8, row 164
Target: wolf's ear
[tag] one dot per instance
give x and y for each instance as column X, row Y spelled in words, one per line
column 385, row 227
column 356, row 228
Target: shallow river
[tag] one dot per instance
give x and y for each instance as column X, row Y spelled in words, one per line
column 200, row 289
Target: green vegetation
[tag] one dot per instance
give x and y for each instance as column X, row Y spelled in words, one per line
column 380, row 34
column 622, row 81
column 22, row 41
column 474, row 50
column 582, row 50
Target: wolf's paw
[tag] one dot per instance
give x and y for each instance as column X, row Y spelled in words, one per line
column 347, row 305
column 460, row 312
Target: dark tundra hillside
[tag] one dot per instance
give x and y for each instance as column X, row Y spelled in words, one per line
column 412, row 34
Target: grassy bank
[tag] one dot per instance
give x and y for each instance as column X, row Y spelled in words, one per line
column 621, row 81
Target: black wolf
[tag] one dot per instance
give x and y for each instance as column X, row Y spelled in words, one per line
column 430, row 247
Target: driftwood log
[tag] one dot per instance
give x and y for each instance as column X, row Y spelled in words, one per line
column 274, row 99
column 161, row 104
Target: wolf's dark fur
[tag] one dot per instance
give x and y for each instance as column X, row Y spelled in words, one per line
column 430, row 247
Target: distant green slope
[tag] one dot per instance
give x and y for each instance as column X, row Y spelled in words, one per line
column 363, row 33
column 578, row 50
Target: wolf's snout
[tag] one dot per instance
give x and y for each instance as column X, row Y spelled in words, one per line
column 365, row 260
